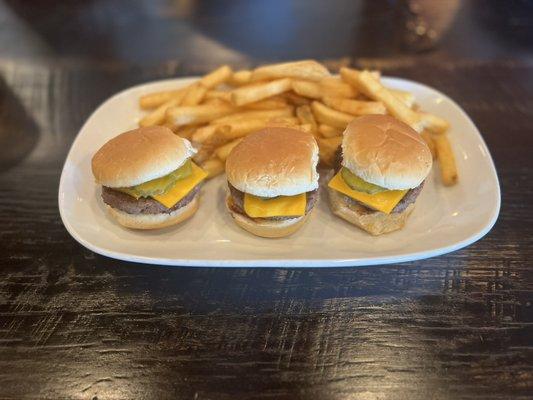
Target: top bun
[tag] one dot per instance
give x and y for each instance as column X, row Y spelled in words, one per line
column 386, row 152
column 140, row 155
column 274, row 162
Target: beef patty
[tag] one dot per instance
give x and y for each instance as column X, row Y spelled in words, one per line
column 406, row 201
column 144, row 205
column 237, row 203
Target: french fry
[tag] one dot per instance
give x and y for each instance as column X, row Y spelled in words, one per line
column 254, row 114
column 213, row 167
column 267, row 104
column 355, row 107
column 215, row 102
column 204, row 153
column 154, row 100
column 375, row 74
column 223, row 151
column 285, row 122
column 197, row 114
column 218, row 94
column 334, row 87
column 241, row 77
column 216, row 77
column 210, row 135
column 448, row 167
column 296, row 99
column 306, row 69
column 434, row 123
column 157, row 117
column 307, row 89
column 328, row 131
column 249, row 94
column 305, row 115
column 407, row 98
column 327, row 149
column 194, row 95
column 186, row 132
column 427, row 137
column 329, row 116
column 365, row 82
column 243, row 127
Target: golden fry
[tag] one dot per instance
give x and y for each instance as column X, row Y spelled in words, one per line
column 407, row 98
column 426, row 135
column 186, row 132
column 285, row 122
column 213, row 167
column 306, row 69
column 157, row 117
column 243, row 127
column 305, row 115
column 328, row 131
column 329, row 116
column 267, row 104
column 218, row 94
column 254, row 114
column 241, row 77
column 195, row 94
column 448, row 167
column 197, row 114
column 223, row 151
column 335, row 87
column 307, row 89
column 215, row 102
column 216, row 77
column 355, row 107
column 434, row 123
column 153, row 100
column 376, row 91
column 296, row 99
column 249, row 94
column 213, row 135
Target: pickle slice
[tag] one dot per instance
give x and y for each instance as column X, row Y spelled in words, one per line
column 358, row 184
column 159, row 185
column 183, row 172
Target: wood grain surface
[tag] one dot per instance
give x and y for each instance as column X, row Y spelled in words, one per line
column 75, row 325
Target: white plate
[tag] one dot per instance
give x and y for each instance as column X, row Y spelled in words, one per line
column 445, row 219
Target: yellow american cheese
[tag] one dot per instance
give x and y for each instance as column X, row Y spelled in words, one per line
column 281, row 206
column 182, row 187
column 384, row 201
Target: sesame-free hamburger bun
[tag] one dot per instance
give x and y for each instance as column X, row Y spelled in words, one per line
column 270, row 163
column 136, row 157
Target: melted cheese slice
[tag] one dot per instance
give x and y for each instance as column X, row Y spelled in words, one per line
column 281, row 206
column 182, row 187
column 384, row 201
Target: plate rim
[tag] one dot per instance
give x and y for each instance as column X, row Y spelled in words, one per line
column 293, row 263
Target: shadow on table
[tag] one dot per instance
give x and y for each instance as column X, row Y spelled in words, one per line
column 18, row 131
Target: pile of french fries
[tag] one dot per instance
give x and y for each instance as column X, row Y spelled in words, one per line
column 224, row 106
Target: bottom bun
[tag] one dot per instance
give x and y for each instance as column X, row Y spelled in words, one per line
column 267, row 228
column 154, row 221
column 374, row 222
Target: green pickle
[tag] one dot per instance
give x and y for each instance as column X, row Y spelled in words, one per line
column 358, row 184
column 159, row 185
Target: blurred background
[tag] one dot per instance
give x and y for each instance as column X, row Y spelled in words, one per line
column 242, row 31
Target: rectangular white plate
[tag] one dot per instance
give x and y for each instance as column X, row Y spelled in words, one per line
column 445, row 218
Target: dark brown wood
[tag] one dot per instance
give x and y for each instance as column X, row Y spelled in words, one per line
column 77, row 325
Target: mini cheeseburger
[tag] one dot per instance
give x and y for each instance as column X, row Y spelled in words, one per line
column 380, row 171
column 148, row 178
column 273, row 182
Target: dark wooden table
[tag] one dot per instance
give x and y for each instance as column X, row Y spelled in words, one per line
column 77, row 325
